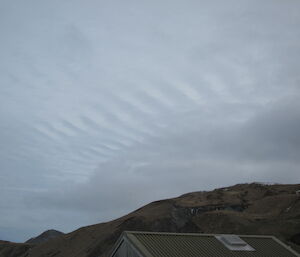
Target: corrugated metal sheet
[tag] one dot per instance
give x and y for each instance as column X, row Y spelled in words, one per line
column 197, row 245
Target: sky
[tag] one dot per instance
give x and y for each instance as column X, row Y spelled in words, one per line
column 108, row 105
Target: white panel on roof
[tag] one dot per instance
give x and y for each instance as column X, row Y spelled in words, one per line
column 234, row 243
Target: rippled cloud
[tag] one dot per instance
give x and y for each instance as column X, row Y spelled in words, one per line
column 100, row 100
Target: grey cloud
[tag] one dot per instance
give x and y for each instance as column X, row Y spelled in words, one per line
column 101, row 99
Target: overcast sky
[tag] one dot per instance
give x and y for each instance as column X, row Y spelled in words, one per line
column 108, row 105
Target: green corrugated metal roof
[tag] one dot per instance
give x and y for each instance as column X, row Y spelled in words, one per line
column 202, row 245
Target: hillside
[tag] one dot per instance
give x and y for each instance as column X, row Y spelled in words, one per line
column 9, row 249
column 240, row 209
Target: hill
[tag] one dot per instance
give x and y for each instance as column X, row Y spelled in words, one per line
column 240, row 209
column 9, row 249
column 45, row 236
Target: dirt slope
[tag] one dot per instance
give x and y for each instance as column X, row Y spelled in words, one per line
column 240, row 209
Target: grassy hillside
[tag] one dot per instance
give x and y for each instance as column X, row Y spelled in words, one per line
column 240, row 209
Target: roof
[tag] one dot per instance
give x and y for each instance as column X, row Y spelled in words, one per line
column 156, row 244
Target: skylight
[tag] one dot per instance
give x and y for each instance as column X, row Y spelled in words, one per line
column 234, row 243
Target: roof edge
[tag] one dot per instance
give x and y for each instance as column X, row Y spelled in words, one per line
column 135, row 243
column 289, row 248
column 195, row 234
column 117, row 244
column 138, row 246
